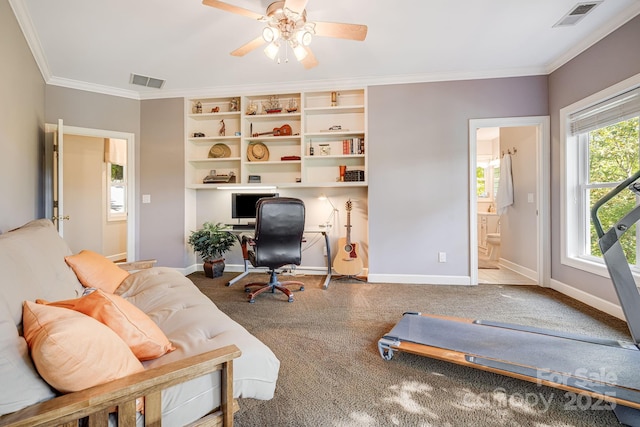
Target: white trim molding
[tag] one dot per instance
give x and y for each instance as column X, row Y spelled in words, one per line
column 586, row 298
column 569, row 163
column 543, row 161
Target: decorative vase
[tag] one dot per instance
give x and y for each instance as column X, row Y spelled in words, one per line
column 214, row 268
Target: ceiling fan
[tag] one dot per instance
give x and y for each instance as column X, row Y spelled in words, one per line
column 286, row 24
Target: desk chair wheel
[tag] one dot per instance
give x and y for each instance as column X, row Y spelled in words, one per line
column 290, row 299
column 301, row 288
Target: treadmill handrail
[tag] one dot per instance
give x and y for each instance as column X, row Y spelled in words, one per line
column 619, row 270
column 611, row 194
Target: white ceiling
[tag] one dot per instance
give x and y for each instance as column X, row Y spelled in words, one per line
column 96, row 45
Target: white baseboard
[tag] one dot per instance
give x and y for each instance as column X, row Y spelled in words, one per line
column 593, row 301
column 524, row 271
column 238, row 268
column 416, row 279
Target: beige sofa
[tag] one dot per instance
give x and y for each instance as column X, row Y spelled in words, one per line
column 32, row 266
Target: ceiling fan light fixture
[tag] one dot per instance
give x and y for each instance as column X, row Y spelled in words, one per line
column 270, row 34
column 300, row 52
column 272, row 50
column 304, row 37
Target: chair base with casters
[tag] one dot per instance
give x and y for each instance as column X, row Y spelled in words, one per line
column 272, row 286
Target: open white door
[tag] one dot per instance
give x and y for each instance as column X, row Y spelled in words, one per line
column 81, row 208
column 58, row 178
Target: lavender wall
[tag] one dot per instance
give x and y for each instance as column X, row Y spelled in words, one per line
column 419, row 168
column 161, row 171
column 610, row 61
column 21, row 126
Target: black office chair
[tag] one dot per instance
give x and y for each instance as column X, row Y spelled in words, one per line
column 277, row 242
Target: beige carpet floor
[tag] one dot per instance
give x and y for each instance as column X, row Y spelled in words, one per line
column 332, row 375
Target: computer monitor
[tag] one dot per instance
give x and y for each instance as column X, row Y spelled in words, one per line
column 243, row 205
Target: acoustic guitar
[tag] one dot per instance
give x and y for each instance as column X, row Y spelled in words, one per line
column 284, row 130
column 347, row 262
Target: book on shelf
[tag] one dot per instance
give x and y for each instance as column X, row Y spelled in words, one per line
column 353, row 146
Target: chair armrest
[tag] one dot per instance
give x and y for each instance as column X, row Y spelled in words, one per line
column 95, row 402
column 137, row 265
column 245, row 243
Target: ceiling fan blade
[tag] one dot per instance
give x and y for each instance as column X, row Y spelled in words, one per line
column 310, row 60
column 295, row 5
column 244, row 49
column 342, row 31
column 233, row 9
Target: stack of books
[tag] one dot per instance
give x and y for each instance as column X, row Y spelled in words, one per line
column 353, row 146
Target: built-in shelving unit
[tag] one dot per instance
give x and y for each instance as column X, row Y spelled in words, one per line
column 314, row 139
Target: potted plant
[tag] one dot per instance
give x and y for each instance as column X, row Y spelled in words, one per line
column 211, row 242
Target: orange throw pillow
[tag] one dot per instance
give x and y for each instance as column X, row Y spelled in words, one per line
column 133, row 326
column 95, row 271
column 72, row 351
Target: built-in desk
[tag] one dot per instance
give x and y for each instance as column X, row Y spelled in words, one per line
column 318, row 230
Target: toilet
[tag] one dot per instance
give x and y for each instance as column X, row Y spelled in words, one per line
column 493, row 241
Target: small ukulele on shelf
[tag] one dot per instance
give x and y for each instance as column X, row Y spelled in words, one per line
column 284, row 130
column 348, row 262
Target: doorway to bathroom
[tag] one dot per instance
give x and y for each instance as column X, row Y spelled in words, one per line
column 509, row 182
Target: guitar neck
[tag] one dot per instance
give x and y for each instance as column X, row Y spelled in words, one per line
column 348, row 227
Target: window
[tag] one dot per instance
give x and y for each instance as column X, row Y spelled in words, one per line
column 117, row 192
column 602, row 149
column 487, row 178
column 481, row 177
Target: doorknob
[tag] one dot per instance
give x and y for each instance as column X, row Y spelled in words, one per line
column 61, row 218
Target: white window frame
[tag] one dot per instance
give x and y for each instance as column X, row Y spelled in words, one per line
column 573, row 164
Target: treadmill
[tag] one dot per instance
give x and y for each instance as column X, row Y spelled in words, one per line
column 605, row 370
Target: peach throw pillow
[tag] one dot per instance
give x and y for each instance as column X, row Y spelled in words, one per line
column 72, row 351
column 95, row 271
column 133, row 326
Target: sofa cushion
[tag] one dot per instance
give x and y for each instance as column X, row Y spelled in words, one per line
column 141, row 334
column 194, row 325
column 21, row 384
column 32, row 266
column 73, row 351
column 96, row 271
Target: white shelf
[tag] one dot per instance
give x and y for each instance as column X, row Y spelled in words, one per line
column 309, row 127
column 335, row 110
column 214, row 116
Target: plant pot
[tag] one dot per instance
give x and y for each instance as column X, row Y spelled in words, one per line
column 214, row 268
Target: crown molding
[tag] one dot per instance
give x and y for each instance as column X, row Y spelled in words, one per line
column 92, row 87
column 338, row 84
column 296, row 86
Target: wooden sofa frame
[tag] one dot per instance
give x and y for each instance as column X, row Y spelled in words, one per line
column 96, row 402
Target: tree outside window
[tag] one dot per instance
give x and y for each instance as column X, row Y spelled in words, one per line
column 613, row 156
column 117, row 192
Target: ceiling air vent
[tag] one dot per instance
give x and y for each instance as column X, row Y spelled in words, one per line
column 139, row 80
column 576, row 14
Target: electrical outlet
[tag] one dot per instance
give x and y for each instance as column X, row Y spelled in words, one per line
column 442, row 257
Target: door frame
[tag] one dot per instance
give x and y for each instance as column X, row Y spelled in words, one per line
column 543, row 149
column 131, row 174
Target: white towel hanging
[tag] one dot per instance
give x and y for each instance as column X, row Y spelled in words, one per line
column 505, row 186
